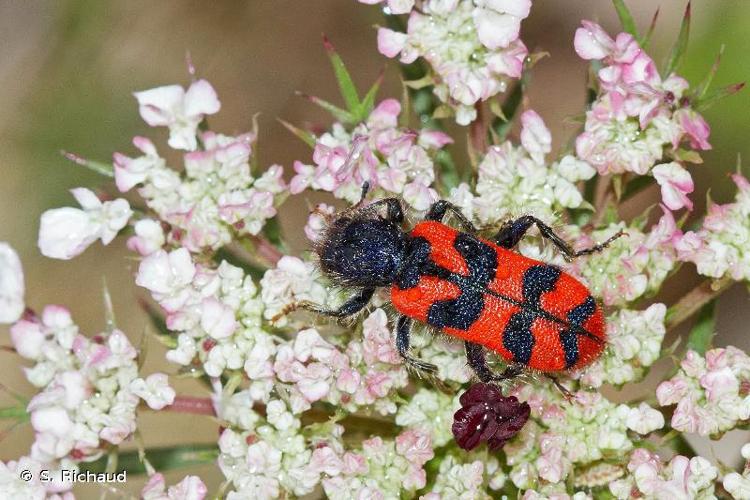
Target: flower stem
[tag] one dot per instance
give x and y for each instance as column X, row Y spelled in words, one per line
column 266, row 250
column 192, row 405
column 696, row 298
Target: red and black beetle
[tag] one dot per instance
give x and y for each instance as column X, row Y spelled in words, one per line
column 532, row 314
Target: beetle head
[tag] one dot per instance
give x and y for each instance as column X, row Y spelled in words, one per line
column 363, row 252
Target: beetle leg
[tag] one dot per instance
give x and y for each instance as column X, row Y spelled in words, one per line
column 348, row 308
column 365, row 190
column 512, row 232
column 439, row 208
column 403, row 331
column 478, row 362
column 564, row 390
column 394, row 212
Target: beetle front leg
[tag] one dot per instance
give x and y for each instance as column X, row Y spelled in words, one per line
column 352, row 306
column 403, row 332
column 512, row 232
column 478, row 362
column 438, row 210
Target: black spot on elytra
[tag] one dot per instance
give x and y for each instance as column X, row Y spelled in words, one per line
column 517, row 336
column 464, row 310
column 569, row 336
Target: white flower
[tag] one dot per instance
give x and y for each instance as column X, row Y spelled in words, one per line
column 737, row 485
column 190, row 488
column 179, row 110
column 217, row 319
column 535, row 136
column 149, row 237
column 644, row 419
column 166, row 273
column 676, row 183
column 291, row 281
column 498, row 22
column 11, row 285
column 67, row 232
column 155, row 390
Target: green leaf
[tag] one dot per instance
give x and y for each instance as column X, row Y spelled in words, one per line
column 368, row 102
column 680, row 46
column 617, row 186
column 15, row 413
column 339, row 114
column 635, row 186
column 447, row 171
column 702, row 87
column 702, row 333
column 626, row 18
column 157, row 320
column 306, row 137
column 344, row 79
column 230, row 255
column 687, row 155
column 101, row 168
column 711, row 99
column 162, row 459
column 420, row 83
column 503, row 122
column 650, row 32
column 272, row 232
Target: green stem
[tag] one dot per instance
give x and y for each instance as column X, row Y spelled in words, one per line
column 696, row 298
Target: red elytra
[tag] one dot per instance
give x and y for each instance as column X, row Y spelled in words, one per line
column 531, row 313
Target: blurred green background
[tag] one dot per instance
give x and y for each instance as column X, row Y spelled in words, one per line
column 68, row 69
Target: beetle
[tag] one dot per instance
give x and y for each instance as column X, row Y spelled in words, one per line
column 532, row 314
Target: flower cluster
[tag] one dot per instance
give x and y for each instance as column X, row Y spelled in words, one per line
column 392, row 159
column 472, row 46
column 710, row 392
column 634, row 339
column 633, row 266
column 14, row 483
column 682, row 477
column 380, row 469
column 190, row 488
column 217, row 196
column 457, row 479
column 271, row 456
column 720, row 247
column 514, row 179
column 216, row 311
column 90, row 388
column 365, row 372
column 431, row 411
column 638, row 116
column 562, row 435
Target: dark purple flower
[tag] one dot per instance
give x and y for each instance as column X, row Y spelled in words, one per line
column 486, row 415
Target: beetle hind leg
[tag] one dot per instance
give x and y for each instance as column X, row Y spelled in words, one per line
column 478, row 361
column 403, row 332
column 564, row 390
